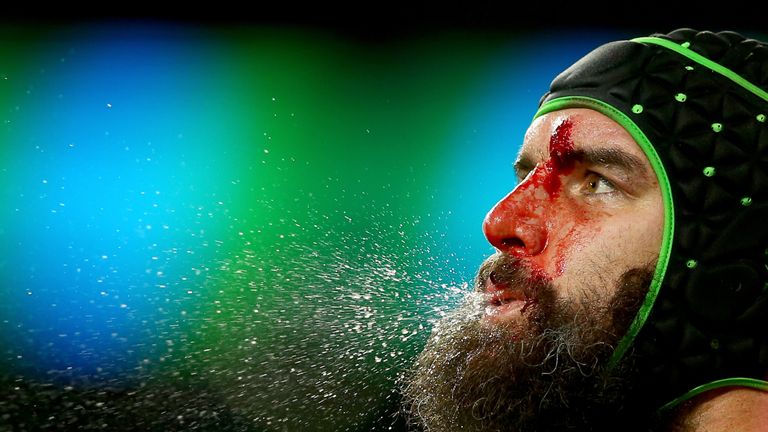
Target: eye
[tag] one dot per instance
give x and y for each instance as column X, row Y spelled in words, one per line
column 597, row 184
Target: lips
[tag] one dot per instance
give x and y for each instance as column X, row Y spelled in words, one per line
column 501, row 293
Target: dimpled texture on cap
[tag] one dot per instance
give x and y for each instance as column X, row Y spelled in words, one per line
column 710, row 319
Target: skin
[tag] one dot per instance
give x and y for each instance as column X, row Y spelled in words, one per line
column 586, row 195
column 730, row 408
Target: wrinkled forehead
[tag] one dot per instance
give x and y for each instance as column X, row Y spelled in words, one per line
column 588, row 130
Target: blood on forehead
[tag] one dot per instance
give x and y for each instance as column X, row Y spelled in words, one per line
column 561, row 158
column 561, row 144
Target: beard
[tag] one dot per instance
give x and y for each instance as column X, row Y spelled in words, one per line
column 546, row 370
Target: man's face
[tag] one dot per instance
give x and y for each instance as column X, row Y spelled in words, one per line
column 577, row 242
column 587, row 208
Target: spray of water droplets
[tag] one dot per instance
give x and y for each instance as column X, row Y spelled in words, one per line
column 314, row 337
column 323, row 346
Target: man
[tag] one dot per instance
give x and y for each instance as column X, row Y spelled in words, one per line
column 629, row 290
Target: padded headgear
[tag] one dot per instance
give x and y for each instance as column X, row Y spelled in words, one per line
column 700, row 100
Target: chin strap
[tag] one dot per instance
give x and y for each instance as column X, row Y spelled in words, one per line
column 728, row 382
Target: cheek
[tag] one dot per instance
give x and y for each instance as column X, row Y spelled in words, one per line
column 637, row 237
column 597, row 250
column 574, row 230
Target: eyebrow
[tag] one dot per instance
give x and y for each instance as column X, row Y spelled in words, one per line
column 611, row 157
column 608, row 157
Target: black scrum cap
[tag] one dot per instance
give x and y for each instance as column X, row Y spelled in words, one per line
column 697, row 103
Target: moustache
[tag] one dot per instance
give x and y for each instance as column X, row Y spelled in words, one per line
column 506, row 272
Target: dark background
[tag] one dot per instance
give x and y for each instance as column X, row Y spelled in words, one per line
column 374, row 20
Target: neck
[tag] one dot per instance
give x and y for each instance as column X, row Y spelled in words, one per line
column 727, row 409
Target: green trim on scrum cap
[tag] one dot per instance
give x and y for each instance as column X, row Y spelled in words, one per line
column 727, row 382
column 698, row 58
column 666, row 195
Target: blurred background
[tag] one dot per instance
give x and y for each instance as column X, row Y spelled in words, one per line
column 249, row 221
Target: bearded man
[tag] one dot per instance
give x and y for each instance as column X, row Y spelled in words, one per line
column 629, row 290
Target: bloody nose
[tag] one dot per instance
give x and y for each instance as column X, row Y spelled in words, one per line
column 515, row 228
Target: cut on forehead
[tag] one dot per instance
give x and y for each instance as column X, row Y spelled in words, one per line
column 592, row 133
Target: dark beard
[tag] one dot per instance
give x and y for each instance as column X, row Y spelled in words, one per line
column 547, row 373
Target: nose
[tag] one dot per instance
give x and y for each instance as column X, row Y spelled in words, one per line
column 516, row 226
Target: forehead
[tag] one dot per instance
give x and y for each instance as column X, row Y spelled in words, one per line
column 590, row 129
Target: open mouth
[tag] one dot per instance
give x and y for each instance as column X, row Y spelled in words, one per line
column 504, row 302
column 506, row 296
